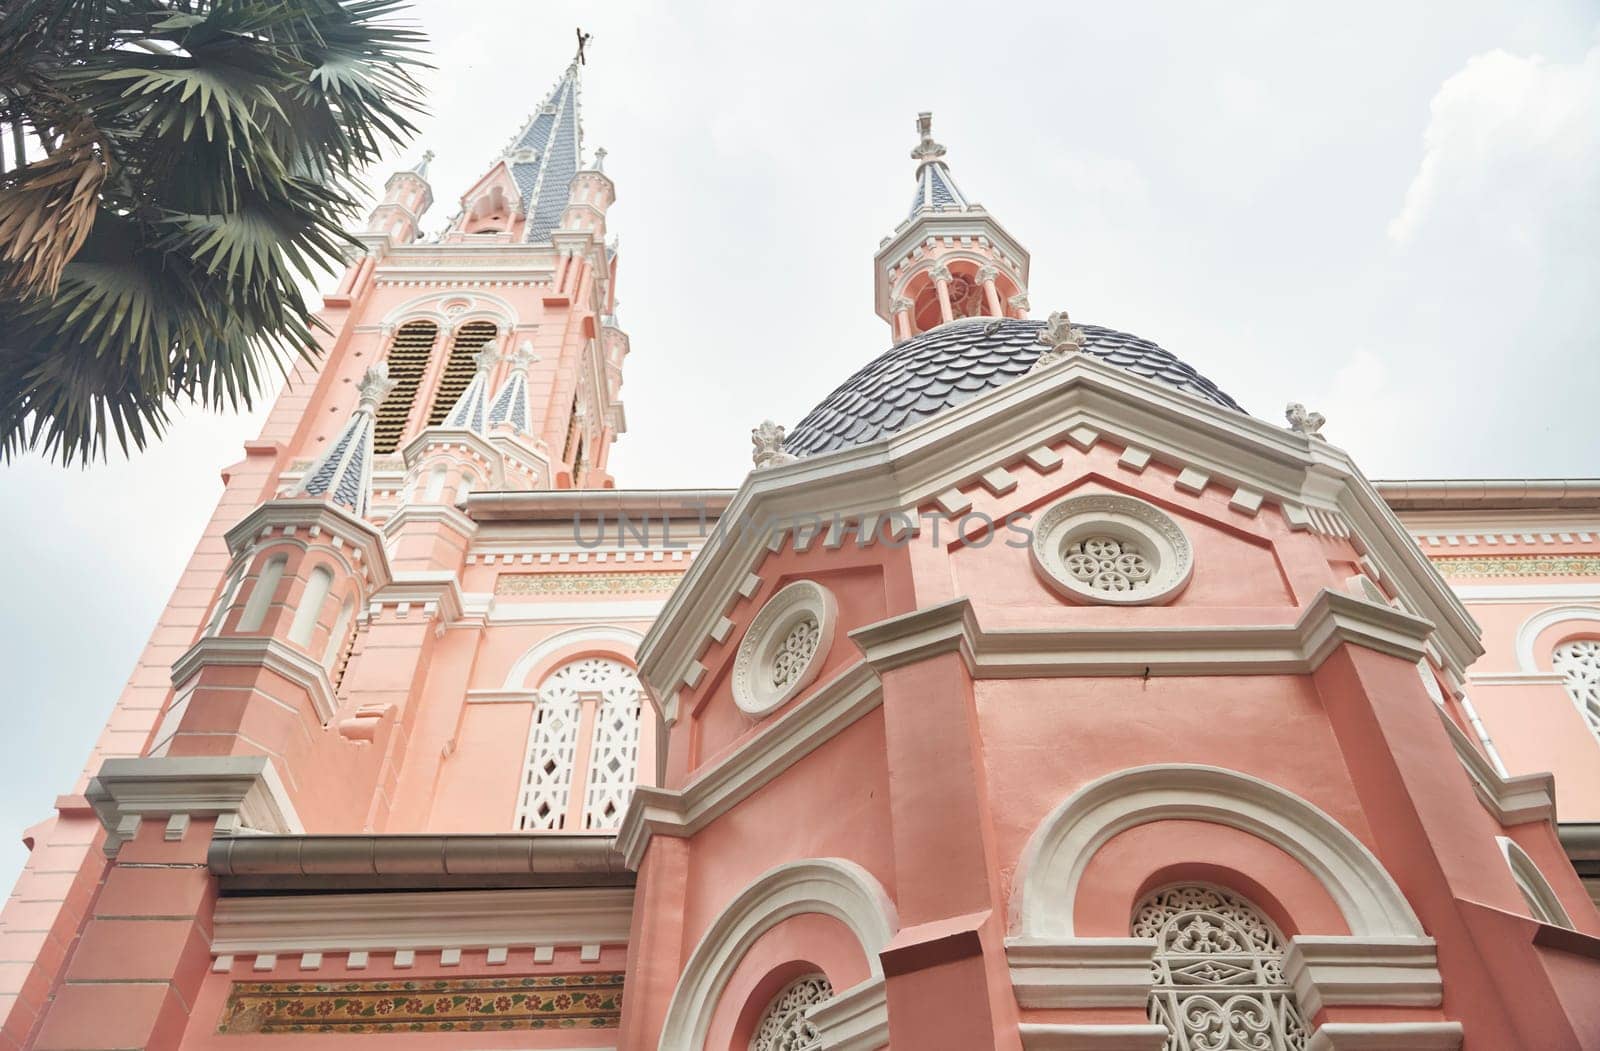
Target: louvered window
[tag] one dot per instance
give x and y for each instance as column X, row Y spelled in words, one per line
column 408, row 360
column 459, row 367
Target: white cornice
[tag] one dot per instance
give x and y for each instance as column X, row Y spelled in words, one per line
column 1342, row 971
column 856, row 1019
column 429, row 590
column 242, row 791
column 311, row 517
column 1511, row 800
column 1386, row 1036
column 440, row 514
column 721, row 786
column 423, row 920
column 956, row 446
column 259, row 651
column 1332, row 619
column 1080, row 972
column 1092, row 1036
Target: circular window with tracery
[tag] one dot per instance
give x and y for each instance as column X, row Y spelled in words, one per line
column 784, row 1025
column 1112, row 549
column 784, row 647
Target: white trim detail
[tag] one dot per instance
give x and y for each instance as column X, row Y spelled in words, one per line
column 784, row 647
column 243, row 792
column 1081, row 972
column 854, row 1020
column 1339, row 971
column 1535, row 626
column 421, row 921
column 1146, row 558
column 1103, row 1036
column 1536, row 890
column 625, row 639
column 1386, row 1036
column 1512, row 800
column 259, row 651
column 1059, row 850
column 829, row 886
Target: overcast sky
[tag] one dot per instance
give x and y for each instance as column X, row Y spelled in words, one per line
column 1390, row 212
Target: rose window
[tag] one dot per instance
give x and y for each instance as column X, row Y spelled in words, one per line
column 796, row 651
column 1218, row 973
column 784, row 1026
column 1108, row 564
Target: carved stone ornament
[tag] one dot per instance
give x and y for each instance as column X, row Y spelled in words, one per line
column 785, row 647
column 1303, row 422
column 487, row 358
column 767, row 446
column 1104, row 548
column 900, row 304
column 987, row 273
column 375, row 386
column 524, row 356
column 1019, row 303
column 1061, row 339
column 939, row 272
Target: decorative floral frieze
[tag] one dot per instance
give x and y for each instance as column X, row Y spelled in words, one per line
column 586, row 583
column 1519, row 566
column 558, row 1001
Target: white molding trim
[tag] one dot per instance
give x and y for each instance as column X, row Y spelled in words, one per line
column 1511, row 800
column 313, row 516
column 422, row 920
column 536, row 612
column 829, row 886
column 626, row 641
column 1386, row 1036
column 1332, row 619
column 1536, row 625
column 721, row 786
column 1341, row 971
column 1081, row 972
column 263, row 651
column 243, row 792
column 1311, row 481
column 440, row 590
column 1102, row 1036
column 854, row 1020
column 1519, row 594
column 1543, row 902
column 1053, row 863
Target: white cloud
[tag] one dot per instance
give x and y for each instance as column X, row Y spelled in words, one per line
column 1513, row 140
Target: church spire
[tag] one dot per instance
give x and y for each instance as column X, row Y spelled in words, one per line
column 935, row 186
column 471, row 410
column 948, row 259
column 343, row 474
column 531, row 179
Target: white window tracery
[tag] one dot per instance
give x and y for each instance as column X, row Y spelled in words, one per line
column 614, row 745
column 784, row 1026
column 796, row 651
column 1218, row 973
column 612, row 691
column 1107, row 563
column 1578, row 662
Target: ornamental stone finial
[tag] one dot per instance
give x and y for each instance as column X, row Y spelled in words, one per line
column 1061, row 340
column 600, row 159
column 767, row 446
column 926, row 150
column 1303, row 422
column 375, row 386
column 488, row 357
column 524, row 355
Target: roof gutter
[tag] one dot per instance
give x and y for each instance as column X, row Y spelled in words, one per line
column 1492, row 494
column 562, row 504
column 455, row 862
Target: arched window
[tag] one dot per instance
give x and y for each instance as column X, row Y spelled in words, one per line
column 230, row 591
column 1578, row 662
column 407, row 361
column 435, row 490
column 1542, row 901
column 469, row 482
column 784, row 1026
column 309, row 610
column 336, row 638
column 459, row 367
column 1219, row 982
column 603, row 695
column 255, row 610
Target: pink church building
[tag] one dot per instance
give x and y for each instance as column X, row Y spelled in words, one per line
column 1029, row 693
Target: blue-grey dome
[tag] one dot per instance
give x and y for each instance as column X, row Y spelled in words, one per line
column 953, row 363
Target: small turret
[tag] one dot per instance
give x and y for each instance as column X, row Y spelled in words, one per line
column 406, row 197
